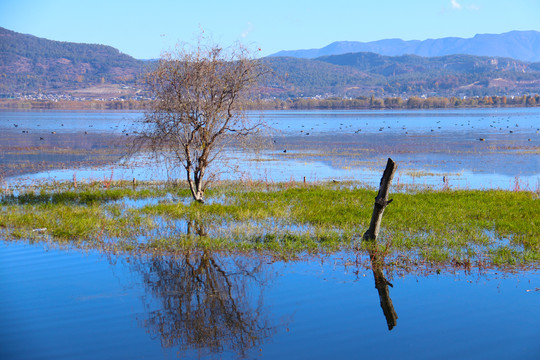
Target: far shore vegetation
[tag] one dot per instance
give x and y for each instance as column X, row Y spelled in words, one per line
column 315, row 103
column 421, row 228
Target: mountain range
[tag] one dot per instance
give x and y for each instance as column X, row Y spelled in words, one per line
column 361, row 74
column 520, row 45
column 31, row 65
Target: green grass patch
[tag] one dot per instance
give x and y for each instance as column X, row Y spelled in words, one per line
column 501, row 228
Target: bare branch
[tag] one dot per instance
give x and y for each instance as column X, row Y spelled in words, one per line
column 198, row 107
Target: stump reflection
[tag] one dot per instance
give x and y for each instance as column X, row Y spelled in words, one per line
column 382, row 284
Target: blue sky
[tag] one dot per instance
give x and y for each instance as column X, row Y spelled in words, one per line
column 144, row 29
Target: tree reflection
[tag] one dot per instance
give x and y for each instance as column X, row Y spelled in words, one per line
column 206, row 302
column 195, row 228
column 377, row 263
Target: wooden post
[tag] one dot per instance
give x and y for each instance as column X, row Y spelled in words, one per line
column 381, row 201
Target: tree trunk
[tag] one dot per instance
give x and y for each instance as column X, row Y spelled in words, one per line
column 198, row 194
column 381, row 201
column 195, row 188
column 199, row 197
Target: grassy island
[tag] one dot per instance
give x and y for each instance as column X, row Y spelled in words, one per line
column 469, row 228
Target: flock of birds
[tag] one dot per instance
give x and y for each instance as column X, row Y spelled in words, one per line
column 502, row 124
column 497, row 123
column 41, row 138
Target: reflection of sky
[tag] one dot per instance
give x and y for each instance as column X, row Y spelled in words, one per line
column 68, row 121
column 67, row 305
column 472, row 121
column 346, row 145
column 323, row 121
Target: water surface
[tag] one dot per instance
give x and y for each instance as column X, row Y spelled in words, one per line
column 59, row 304
column 67, row 303
column 471, row 148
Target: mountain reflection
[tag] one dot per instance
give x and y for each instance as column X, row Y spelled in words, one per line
column 206, row 302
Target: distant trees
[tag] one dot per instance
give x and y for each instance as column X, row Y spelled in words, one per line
column 413, row 102
column 198, row 108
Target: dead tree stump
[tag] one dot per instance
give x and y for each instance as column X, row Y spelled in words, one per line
column 381, row 201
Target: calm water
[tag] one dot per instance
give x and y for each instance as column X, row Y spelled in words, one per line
column 66, row 304
column 323, row 145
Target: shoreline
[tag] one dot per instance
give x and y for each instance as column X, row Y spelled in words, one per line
column 362, row 103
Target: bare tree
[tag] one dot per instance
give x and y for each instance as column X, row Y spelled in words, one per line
column 198, row 108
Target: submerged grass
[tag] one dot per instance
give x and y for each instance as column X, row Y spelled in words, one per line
column 492, row 227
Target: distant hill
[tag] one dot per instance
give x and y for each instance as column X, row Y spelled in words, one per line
column 357, row 74
column 521, row 45
column 449, row 64
column 29, row 63
column 293, row 77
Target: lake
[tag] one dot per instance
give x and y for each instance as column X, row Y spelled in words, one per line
column 64, row 302
column 319, row 145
